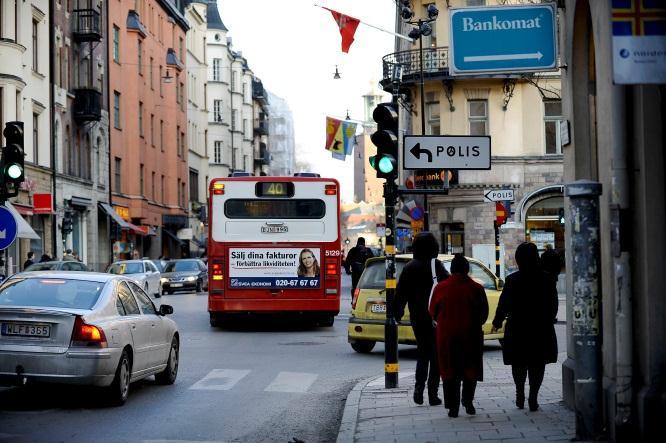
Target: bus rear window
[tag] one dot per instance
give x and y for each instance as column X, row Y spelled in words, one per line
column 274, row 208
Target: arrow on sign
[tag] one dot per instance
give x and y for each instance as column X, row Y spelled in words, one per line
column 491, row 58
column 417, row 151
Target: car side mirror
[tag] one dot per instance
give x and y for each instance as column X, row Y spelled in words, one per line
column 166, row 309
column 500, row 283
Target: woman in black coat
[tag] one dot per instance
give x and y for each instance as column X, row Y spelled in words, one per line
column 529, row 304
column 413, row 289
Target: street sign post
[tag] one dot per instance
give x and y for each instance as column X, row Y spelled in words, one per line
column 446, row 152
column 498, row 39
column 498, row 195
column 8, row 228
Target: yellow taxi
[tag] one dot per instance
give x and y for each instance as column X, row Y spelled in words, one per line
column 366, row 325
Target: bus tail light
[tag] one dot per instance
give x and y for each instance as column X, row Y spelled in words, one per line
column 217, row 272
column 218, row 188
column 331, row 268
column 330, row 189
column 357, row 291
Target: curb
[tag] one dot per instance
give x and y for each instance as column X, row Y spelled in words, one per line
column 350, row 414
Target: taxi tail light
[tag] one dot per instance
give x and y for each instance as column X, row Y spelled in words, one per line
column 84, row 334
column 357, row 291
column 330, row 189
column 332, row 268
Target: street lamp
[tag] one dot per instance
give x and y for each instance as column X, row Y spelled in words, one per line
column 422, row 28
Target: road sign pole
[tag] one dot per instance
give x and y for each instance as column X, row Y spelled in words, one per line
column 391, row 366
column 497, row 249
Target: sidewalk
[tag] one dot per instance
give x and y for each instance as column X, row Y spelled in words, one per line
column 373, row 413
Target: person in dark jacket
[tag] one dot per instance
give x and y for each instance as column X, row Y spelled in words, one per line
column 45, row 258
column 29, row 261
column 529, row 303
column 551, row 262
column 460, row 307
column 413, row 289
column 355, row 262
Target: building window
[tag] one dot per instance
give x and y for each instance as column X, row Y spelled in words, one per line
column 234, row 113
column 117, row 182
column 183, row 194
column 217, row 71
column 140, row 56
column 432, row 114
column 162, row 190
column 141, row 119
column 246, row 96
column 478, row 117
column 162, row 135
column 152, row 130
column 552, row 120
column 180, row 204
column 217, row 152
column 178, row 92
column 35, row 138
column 453, row 238
column 182, row 144
column 141, row 178
column 182, row 94
column 152, row 86
column 217, row 111
column 194, row 185
column 116, row 44
column 246, row 127
column 116, row 109
column 233, row 81
column 161, row 81
column 178, row 147
column 35, row 45
column 152, row 186
column 181, row 51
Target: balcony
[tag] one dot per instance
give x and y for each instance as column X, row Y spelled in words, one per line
column 87, row 25
column 435, row 66
column 264, row 157
column 258, row 92
column 260, row 126
column 87, row 105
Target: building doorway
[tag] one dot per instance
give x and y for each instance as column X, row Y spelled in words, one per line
column 453, row 238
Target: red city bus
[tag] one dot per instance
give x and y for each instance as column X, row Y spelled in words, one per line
column 274, row 247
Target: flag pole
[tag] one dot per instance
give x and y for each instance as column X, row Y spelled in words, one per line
column 411, row 40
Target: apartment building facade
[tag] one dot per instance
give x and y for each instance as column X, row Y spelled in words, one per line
column 521, row 113
column 24, row 96
column 149, row 149
column 281, row 142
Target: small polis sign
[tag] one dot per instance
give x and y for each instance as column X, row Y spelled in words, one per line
column 498, row 195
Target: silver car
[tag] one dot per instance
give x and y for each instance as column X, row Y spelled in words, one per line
column 143, row 271
column 84, row 328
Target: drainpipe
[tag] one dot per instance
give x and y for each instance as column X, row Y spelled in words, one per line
column 108, row 132
column 54, row 169
column 620, row 226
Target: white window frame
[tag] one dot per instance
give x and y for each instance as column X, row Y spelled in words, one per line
column 217, row 111
column 217, row 151
column 217, row 71
column 471, row 118
column 557, row 119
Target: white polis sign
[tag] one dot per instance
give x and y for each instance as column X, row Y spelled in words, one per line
column 498, row 195
column 446, row 152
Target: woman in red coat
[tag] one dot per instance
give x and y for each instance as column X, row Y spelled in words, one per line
column 460, row 307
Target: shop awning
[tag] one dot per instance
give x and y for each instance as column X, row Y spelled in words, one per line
column 136, row 229
column 23, row 229
column 114, row 215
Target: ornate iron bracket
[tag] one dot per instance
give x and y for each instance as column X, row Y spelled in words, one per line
column 509, row 86
column 448, row 90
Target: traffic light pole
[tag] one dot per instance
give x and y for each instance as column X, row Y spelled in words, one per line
column 391, row 366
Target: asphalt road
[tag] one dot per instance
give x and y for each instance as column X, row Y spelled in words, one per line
column 258, row 381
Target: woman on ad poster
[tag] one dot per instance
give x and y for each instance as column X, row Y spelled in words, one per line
column 307, row 264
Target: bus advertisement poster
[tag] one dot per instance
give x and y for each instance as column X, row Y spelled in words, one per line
column 271, row 268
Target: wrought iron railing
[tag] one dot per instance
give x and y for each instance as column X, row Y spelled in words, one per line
column 87, row 25
column 435, row 63
column 87, row 104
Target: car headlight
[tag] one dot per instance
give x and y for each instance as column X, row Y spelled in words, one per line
column 190, row 278
column 164, row 280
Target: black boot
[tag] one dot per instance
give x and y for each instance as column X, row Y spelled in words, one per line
column 532, row 401
column 520, row 397
column 418, row 394
column 453, row 413
column 469, row 408
column 433, row 399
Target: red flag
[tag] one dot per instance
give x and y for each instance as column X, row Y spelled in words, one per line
column 347, row 27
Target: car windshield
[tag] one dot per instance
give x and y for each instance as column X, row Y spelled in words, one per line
column 41, row 266
column 50, row 292
column 181, row 266
column 126, row 268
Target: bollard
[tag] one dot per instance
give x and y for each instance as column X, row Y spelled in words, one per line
column 584, row 224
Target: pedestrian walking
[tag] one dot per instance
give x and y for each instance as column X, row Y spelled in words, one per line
column 355, row 262
column 68, row 256
column 29, row 261
column 529, row 303
column 551, row 262
column 460, row 307
column 413, row 289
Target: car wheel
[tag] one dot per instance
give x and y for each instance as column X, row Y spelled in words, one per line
column 119, row 389
column 168, row 375
column 363, row 347
column 199, row 286
column 327, row 321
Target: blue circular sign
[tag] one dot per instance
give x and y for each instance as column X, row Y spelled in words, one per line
column 416, row 213
column 8, row 228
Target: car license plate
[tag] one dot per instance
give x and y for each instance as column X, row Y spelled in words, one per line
column 274, row 229
column 176, row 285
column 378, row 308
column 26, row 330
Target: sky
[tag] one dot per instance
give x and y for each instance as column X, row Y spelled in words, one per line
column 293, row 47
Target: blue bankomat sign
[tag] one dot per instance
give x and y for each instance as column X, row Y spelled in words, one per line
column 503, row 39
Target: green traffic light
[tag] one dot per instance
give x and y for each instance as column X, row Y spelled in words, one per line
column 373, row 159
column 14, row 171
column 386, row 165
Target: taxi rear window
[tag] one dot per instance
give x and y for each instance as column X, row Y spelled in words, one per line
column 274, row 208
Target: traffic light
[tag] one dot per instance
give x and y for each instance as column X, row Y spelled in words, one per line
column 67, row 223
column 561, row 215
column 12, row 161
column 386, row 141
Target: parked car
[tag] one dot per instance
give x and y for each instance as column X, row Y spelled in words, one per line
column 84, row 328
column 61, row 265
column 366, row 324
column 187, row 274
column 143, row 271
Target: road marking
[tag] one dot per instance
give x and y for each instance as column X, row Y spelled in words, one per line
column 220, row 379
column 291, row 382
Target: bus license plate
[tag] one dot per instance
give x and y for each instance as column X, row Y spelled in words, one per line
column 26, row 330
column 378, row 308
column 274, row 229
